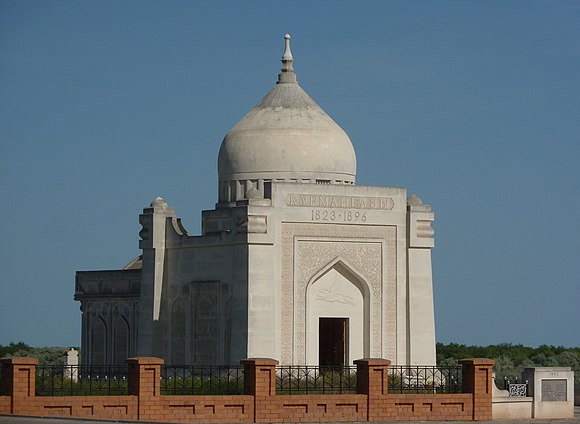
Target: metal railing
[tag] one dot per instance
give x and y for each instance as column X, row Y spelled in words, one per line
column 80, row 380
column 405, row 379
column 514, row 387
column 202, row 380
column 300, row 379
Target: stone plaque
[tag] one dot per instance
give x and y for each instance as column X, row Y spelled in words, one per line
column 343, row 202
column 554, row 390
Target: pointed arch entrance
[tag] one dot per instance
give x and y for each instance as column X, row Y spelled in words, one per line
column 337, row 315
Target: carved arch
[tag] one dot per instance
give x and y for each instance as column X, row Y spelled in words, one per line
column 346, row 269
column 344, row 307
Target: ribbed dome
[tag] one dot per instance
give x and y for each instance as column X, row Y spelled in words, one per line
column 285, row 137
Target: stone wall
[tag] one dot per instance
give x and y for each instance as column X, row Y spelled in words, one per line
column 110, row 310
column 259, row 403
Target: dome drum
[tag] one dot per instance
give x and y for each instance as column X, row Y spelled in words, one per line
column 286, row 137
column 243, row 189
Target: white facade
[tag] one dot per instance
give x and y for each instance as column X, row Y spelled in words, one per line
column 295, row 263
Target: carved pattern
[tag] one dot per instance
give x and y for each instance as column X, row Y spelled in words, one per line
column 312, row 256
column 332, row 295
column 307, row 248
column 517, row 390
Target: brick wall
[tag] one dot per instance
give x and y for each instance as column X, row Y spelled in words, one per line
column 259, row 403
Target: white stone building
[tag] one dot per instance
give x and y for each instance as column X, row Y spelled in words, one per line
column 295, row 263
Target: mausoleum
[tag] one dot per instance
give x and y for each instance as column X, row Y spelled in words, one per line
column 295, row 262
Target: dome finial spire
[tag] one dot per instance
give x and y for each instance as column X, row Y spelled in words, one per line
column 287, row 75
column 287, row 57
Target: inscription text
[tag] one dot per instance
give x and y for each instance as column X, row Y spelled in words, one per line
column 341, row 215
column 343, row 202
column 554, row 390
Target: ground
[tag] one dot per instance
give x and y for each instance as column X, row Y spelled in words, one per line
column 6, row 419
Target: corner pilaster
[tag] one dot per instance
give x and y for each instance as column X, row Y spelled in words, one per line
column 420, row 316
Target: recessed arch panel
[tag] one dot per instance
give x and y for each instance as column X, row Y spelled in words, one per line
column 120, row 341
column 338, row 291
column 99, row 342
column 178, row 333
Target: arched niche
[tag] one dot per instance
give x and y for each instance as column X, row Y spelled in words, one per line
column 338, row 293
column 99, row 342
column 120, row 341
column 178, row 333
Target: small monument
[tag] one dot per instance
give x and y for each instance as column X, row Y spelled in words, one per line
column 550, row 394
column 71, row 363
column 553, row 391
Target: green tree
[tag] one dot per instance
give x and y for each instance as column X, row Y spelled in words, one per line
column 512, row 359
column 505, row 368
column 45, row 355
column 14, row 349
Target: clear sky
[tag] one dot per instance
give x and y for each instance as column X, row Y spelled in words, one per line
column 472, row 105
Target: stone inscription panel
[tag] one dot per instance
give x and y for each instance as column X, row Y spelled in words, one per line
column 340, row 202
column 554, row 390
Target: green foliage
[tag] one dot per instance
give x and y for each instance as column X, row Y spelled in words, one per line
column 512, row 359
column 196, row 385
column 45, row 355
column 14, row 349
column 48, row 384
column 301, row 381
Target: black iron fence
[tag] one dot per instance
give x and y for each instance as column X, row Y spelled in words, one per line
column 79, row 380
column 300, row 379
column 425, row 379
column 61, row 380
column 202, row 380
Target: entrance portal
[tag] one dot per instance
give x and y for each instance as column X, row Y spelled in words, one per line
column 333, row 342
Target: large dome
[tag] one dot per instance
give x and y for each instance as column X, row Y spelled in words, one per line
column 285, row 137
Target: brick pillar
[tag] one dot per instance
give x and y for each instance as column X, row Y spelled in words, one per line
column 477, row 379
column 18, row 381
column 260, row 382
column 145, row 383
column 372, row 378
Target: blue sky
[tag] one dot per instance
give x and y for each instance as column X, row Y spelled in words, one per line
column 474, row 106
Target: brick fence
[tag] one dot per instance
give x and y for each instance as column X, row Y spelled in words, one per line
column 259, row 404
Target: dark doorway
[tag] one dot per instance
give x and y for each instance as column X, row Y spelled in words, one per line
column 332, row 342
